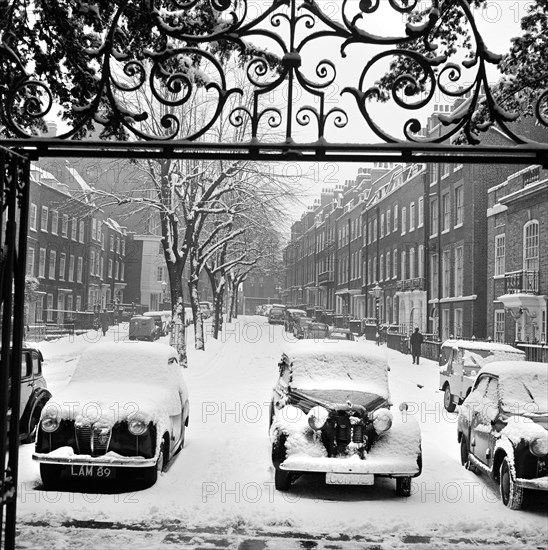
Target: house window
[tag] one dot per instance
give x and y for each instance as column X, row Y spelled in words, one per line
column 403, row 273
column 499, row 325
column 62, row 265
column 445, row 328
column 92, row 262
column 30, row 262
column 71, row 268
column 411, row 263
column 500, row 254
column 159, row 274
column 457, row 322
column 110, row 268
column 434, row 217
column 54, row 222
column 73, row 229
column 446, row 212
column 369, row 272
column 459, row 206
column 122, row 266
column 403, row 220
column 412, row 216
column 79, row 269
column 64, row 226
column 99, row 231
column 101, row 266
column 445, row 169
column 97, row 264
column 381, row 266
column 32, row 216
column 82, row 228
column 446, row 274
column 49, row 315
column 52, row 263
column 395, row 263
column 420, row 266
column 374, row 230
column 117, row 269
column 69, row 302
column 375, row 268
column 44, row 218
column 382, row 225
column 118, row 245
column 434, row 276
column 459, row 271
column 420, row 213
column 112, row 243
column 42, row 263
column 388, row 221
column 388, row 266
column 395, row 217
column 530, row 246
column 78, row 303
column 93, row 229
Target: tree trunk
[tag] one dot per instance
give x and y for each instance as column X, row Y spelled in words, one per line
column 178, row 330
column 199, row 341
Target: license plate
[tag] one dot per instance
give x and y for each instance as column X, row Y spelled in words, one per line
column 349, row 479
column 92, row 471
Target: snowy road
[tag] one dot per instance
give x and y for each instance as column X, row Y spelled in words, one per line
column 222, row 481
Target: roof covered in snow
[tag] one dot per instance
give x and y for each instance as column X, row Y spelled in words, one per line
column 475, row 345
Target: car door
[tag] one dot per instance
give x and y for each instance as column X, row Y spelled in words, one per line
column 456, row 371
column 480, row 423
column 27, row 381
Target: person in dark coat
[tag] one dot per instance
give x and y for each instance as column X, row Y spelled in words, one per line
column 416, row 343
column 104, row 321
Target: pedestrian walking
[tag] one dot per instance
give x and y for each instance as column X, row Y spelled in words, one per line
column 416, row 343
column 104, row 321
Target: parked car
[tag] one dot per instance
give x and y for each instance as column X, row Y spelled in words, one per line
column 340, row 334
column 206, row 309
column 143, row 328
column 34, row 393
column 299, row 325
column 316, row 331
column 503, row 427
column 330, row 413
column 266, row 309
column 162, row 320
column 124, row 412
column 276, row 316
column 460, row 362
column 291, row 315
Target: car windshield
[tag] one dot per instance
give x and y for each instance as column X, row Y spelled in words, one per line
column 477, row 358
column 340, row 335
column 525, row 391
column 337, row 366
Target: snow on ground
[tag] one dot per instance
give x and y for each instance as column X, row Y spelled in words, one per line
column 223, row 477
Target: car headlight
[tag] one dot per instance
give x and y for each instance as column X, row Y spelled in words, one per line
column 539, row 445
column 137, row 427
column 49, row 423
column 317, row 417
column 382, row 420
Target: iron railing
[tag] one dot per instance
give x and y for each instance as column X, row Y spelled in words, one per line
column 521, row 282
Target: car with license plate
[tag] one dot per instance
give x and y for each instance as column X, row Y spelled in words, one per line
column 123, row 414
column 330, row 412
column 460, row 362
column 276, row 315
column 34, row 393
column 502, row 428
column 143, row 328
column 291, row 315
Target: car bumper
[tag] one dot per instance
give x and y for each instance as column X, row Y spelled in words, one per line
column 397, row 467
column 85, row 460
column 538, row 484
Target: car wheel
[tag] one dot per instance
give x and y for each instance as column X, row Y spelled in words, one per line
column 464, row 458
column 447, row 400
column 510, row 493
column 282, row 478
column 403, row 486
column 33, row 424
column 50, row 474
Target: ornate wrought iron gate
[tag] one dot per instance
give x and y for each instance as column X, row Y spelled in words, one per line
column 14, row 192
column 294, row 102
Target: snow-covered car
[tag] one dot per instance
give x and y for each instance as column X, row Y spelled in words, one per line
column 503, row 427
column 124, row 412
column 34, row 393
column 276, row 315
column 299, row 324
column 460, row 362
column 291, row 315
column 340, row 334
column 315, row 331
column 330, row 412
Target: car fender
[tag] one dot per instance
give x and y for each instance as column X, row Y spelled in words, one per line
column 39, row 397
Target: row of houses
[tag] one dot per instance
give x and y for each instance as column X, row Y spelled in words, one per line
column 452, row 249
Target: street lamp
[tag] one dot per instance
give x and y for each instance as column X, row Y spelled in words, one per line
column 376, row 292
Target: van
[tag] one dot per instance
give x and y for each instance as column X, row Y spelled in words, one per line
column 143, row 328
column 162, row 320
column 460, row 362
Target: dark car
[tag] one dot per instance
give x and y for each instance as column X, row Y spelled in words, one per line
column 276, row 316
column 340, row 334
column 34, row 393
column 315, row 331
column 291, row 315
column 142, row 327
column 503, row 427
column 299, row 325
column 330, row 413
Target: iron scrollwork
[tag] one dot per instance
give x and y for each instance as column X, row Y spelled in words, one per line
column 182, row 89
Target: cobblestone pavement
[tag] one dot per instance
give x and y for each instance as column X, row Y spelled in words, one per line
column 108, row 535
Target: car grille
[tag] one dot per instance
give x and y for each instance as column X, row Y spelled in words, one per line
column 92, row 439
